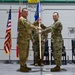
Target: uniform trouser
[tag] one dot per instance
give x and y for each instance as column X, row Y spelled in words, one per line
column 37, row 51
column 23, row 52
column 57, row 47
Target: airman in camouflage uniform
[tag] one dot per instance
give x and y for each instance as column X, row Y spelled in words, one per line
column 24, row 35
column 56, row 38
column 35, row 36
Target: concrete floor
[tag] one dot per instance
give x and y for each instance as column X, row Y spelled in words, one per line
column 13, row 69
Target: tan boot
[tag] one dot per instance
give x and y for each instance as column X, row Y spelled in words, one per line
column 55, row 69
column 36, row 64
column 42, row 64
column 27, row 67
column 23, row 69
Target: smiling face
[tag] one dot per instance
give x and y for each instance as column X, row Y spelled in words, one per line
column 55, row 16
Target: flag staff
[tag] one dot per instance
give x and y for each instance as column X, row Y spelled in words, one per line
column 8, row 39
column 10, row 50
column 39, row 34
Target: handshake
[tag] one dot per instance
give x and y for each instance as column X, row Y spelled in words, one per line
column 40, row 30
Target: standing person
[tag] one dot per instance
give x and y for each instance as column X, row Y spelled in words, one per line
column 24, row 35
column 35, row 35
column 56, row 38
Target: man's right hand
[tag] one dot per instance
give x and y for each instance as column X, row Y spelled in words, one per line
column 39, row 20
column 39, row 28
column 33, row 41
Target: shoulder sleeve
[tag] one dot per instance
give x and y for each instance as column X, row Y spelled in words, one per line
column 47, row 30
column 58, row 25
column 19, row 25
column 35, row 23
column 43, row 26
column 31, row 26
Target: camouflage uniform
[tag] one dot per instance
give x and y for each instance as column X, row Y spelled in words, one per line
column 24, row 36
column 36, row 44
column 56, row 38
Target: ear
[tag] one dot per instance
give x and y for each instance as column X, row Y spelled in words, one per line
column 58, row 16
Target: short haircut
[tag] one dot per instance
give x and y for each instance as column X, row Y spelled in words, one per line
column 56, row 12
column 23, row 9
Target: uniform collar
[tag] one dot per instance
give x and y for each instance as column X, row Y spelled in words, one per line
column 24, row 18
